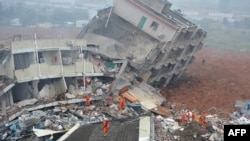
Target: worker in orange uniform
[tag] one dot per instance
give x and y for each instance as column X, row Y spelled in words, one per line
column 202, row 119
column 105, row 126
column 87, row 100
column 194, row 116
column 183, row 117
column 121, row 105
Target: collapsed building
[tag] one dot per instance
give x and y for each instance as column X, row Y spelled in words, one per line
column 133, row 41
column 149, row 43
column 159, row 40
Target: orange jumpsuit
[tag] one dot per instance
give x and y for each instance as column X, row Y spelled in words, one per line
column 87, row 100
column 194, row 116
column 121, row 103
column 105, row 127
column 202, row 119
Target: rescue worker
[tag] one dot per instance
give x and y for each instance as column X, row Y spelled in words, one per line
column 202, row 119
column 87, row 100
column 105, row 126
column 121, row 105
column 195, row 116
column 189, row 116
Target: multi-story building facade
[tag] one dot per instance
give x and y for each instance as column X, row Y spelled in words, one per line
column 51, row 66
column 177, row 39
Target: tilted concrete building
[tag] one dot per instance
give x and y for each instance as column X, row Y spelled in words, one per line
column 161, row 42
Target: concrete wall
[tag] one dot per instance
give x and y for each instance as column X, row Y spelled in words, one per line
column 51, row 87
column 53, row 71
column 133, row 14
column 50, row 71
column 28, row 45
column 52, row 57
column 52, row 67
column 157, row 5
column 27, row 74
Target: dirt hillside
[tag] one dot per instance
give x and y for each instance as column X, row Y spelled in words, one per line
column 219, row 82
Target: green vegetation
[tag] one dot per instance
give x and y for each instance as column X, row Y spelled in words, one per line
column 29, row 16
column 223, row 36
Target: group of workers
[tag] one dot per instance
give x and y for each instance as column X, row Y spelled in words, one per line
column 192, row 116
column 121, row 102
column 105, row 122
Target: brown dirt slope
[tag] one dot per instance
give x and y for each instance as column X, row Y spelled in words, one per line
column 223, row 78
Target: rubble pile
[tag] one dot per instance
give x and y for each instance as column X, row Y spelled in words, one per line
column 174, row 128
column 60, row 118
column 47, row 117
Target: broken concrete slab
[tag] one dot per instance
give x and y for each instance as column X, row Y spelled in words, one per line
column 70, row 131
column 27, row 120
column 153, row 93
column 12, row 117
column 144, row 128
column 70, row 96
column 239, row 104
column 160, row 110
column 45, row 132
column 146, row 92
column 53, row 104
column 27, row 102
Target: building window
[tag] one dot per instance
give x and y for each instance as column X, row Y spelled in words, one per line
column 154, row 25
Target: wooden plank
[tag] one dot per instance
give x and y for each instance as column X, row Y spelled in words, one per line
column 124, row 89
column 129, row 97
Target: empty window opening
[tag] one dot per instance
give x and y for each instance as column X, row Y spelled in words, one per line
column 174, row 78
column 189, row 50
column 170, row 67
column 188, row 35
column 154, row 25
column 23, row 60
column 183, row 62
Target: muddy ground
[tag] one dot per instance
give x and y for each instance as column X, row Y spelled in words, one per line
column 219, row 82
